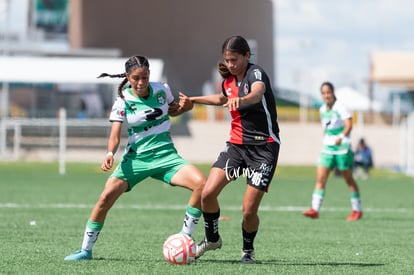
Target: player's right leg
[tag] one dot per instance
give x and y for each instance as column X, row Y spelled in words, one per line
column 318, row 193
column 114, row 187
column 211, row 210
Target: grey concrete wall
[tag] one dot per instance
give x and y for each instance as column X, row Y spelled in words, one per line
column 301, row 143
column 186, row 34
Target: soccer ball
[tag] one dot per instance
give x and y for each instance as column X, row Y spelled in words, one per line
column 179, row 249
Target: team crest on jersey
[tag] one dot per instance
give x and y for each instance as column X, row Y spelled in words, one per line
column 160, row 99
column 118, row 111
column 257, row 74
column 245, row 89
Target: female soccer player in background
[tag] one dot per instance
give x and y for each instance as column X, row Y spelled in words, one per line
column 253, row 148
column 145, row 106
column 337, row 152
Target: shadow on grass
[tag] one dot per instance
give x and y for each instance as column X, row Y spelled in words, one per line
column 269, row 262
column 278, row 262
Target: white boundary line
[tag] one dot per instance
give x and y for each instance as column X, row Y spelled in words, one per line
column 179, row 207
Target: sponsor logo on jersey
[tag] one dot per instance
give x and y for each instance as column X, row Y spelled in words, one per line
column 257, row 74
column 228, row 91
column 152, row 114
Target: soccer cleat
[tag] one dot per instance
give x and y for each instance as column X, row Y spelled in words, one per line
column 248, row 257
column 79, row 255
column 311, row 213
column 354, row 216
column 205, row 245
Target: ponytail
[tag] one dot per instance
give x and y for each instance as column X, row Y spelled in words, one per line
column 136, row 61
column 121, row 85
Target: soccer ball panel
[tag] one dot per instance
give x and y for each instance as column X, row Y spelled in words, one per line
column 179, row 249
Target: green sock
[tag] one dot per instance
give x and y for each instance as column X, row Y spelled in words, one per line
column 91, row 234
column 317, row 199
column 191, row 219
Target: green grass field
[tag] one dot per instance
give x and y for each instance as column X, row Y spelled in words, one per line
column 43, row 216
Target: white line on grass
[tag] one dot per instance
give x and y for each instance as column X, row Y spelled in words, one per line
column 179, row 207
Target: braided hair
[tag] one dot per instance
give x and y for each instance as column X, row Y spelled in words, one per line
column 136, row 61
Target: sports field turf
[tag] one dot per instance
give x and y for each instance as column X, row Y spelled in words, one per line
column 43, row 216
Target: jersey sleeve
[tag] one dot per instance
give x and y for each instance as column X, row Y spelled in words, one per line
column 118, row 111
column 255, row 75
column 343, row 111
column 170, row 97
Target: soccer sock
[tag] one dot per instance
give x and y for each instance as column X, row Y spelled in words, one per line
column 91, row 234
column 211, row 225
column 317, row 199
column 248, row 239
column 192, row 216
column 355, row 201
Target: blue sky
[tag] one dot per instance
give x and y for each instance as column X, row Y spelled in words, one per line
column 318, row 40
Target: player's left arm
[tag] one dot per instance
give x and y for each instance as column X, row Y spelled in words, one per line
column 347, row 130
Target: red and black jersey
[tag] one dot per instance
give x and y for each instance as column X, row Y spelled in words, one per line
column 252, row 124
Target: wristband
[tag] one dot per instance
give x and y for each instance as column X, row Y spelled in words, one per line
column 341, row 135
column 109, row 154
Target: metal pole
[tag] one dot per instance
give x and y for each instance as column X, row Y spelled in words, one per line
column 62, row 141
column 4, row 103
column 17, row 140
column 4, row 115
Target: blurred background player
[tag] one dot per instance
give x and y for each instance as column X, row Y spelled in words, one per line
column 362, row 160
column 337, row 152
column 145, row 106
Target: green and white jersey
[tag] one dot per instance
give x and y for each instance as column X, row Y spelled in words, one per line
column 333, row 124
column 147, row 119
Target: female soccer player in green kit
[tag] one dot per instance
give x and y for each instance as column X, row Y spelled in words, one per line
column 337, row 152
column 146, row 107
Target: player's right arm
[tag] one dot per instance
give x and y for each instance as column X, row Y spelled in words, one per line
column 112, row 147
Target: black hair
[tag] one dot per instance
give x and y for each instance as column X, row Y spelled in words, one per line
column 330, row 85
column 235, row 44
column 136, row 61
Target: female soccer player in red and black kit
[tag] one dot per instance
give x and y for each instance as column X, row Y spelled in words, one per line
column 253, row 147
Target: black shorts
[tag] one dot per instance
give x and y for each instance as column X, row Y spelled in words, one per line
column 256, row 162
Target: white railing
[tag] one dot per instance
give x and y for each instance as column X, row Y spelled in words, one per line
column 59, row 139
column 407, row 145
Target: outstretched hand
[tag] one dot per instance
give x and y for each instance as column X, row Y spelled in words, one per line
column 233, row 103
column 185, row 102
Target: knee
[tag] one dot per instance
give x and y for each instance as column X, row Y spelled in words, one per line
column 249, row 215
column 200, row 182
column 206, row 196
column 107, row 199
column 104, row 200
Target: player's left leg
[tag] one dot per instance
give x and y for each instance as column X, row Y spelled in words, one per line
column 356, row 213
column 345, row 166
column 192, row 178
column 250, row 222
column 261, row 166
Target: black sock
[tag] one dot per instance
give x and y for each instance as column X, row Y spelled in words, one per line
column 248, row 239
column 211, row 225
